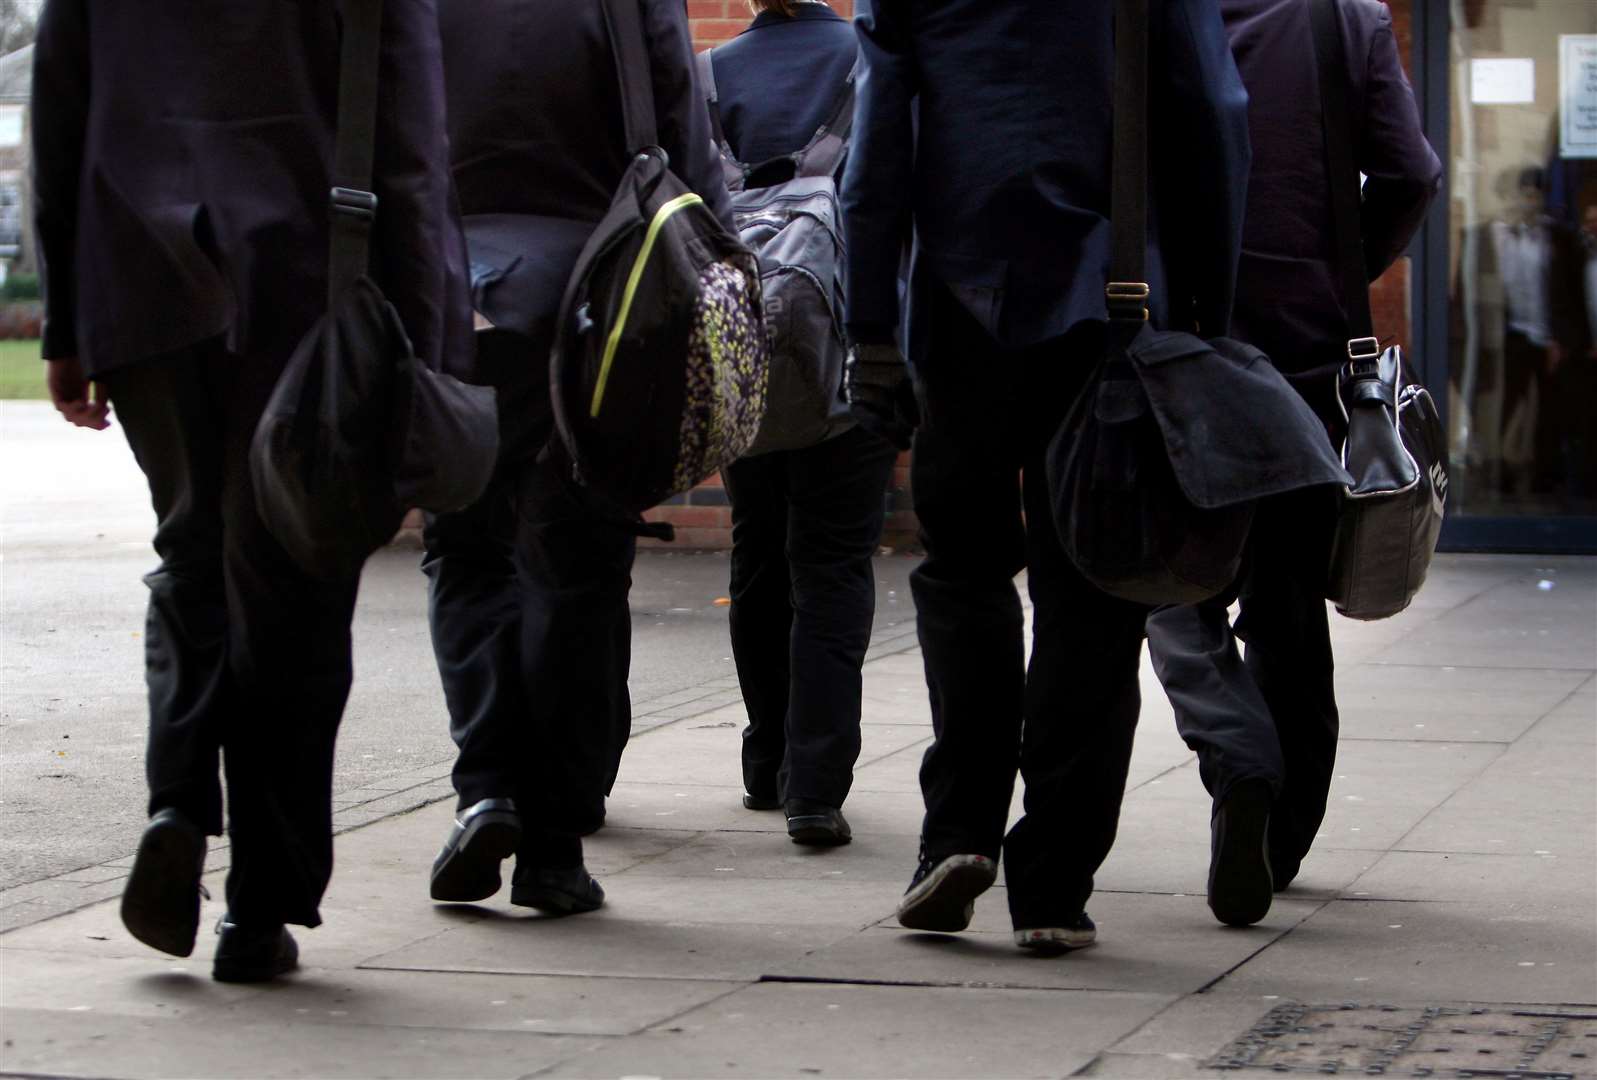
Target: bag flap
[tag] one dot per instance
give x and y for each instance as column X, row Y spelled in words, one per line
column 1373, row 452
column 1234, row 428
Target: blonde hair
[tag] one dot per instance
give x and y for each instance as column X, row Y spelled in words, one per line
column 781, row 7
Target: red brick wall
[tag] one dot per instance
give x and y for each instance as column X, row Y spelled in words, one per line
column 702, row 517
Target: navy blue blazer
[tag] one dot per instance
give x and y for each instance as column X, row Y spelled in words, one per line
column 536, row 141
column 780, row 79
column 182, row 183
column 1289, row 303
column 1007, row 179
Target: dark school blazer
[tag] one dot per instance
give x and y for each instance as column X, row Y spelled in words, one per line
column 536, row 142
column 1006, row 178
column 182, row 180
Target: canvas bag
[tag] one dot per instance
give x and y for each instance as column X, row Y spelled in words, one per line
column 660, row 363
column 1395, row 448
column 1158, row 466
column 357, row 429
column 794, row 227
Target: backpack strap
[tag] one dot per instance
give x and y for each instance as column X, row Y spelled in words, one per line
column 1343, row 176
column 352, row 203
column 825, row 151
column 624, row 21
column 1127, row 290
column 733, row 171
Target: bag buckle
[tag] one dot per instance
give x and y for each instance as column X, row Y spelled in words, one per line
column 361, row 205
column 1127, row 300
column 1363, row 348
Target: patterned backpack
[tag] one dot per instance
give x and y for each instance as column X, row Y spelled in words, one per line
column 787, row 212
column 659, row 368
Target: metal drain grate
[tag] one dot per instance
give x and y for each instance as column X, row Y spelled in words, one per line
column 1515, row 1043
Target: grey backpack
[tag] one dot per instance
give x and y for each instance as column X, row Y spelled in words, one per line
column 794, row 226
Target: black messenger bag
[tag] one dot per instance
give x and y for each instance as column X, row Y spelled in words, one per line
column 358, row 430
column 1158, row 466
column 1395, row 449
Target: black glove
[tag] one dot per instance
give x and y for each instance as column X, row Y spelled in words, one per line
column 880, row 395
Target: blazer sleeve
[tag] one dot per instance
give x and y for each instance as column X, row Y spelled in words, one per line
column 879, row 176
column 681, row 114
column 419, row 248
column 1403, row 172
column 61, row 89
column 1201, row 156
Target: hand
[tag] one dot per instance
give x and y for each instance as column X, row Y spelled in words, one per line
column 70, row 390
column 880, row 395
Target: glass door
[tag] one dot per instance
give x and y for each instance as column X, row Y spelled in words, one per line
column 1522, row 273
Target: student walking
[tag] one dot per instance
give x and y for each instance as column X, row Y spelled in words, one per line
column 1001, row 165
column 1265, row 729
column 182, row 217
column 805, row 519
column 528, row 601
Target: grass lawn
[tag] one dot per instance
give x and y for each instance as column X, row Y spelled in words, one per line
column 21, row 371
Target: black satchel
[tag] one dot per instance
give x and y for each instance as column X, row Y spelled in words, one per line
column 1156, row 470
column 358, row 430
column 1395, row 448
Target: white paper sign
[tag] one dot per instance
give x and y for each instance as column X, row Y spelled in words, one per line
column 1577, row 95
column 1502, row 82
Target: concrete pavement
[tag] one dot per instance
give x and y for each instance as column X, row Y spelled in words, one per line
column 1446, row 923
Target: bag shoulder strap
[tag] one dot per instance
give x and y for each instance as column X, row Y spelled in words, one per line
column 353, row 204
column 1330, row 60
column 733, row 171
column 624, row 22
column 1127, row 290
column 824, row 153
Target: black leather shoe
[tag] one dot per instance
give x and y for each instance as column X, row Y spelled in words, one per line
column 485, row 834
column 1240, row 886
column 568, row 891
column 253, row 954
column 161, row 902
column 816, row 824
column 752, row 801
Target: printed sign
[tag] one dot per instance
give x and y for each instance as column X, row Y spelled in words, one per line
column 1502, row 82
column 1577, row 95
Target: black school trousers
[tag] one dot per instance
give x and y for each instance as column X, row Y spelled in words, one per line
column 530, row 624
column 1272, row 714
column 805, row 524
column 247, row 659
column 1066, row 717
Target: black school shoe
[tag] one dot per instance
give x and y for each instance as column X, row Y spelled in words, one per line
column 161, row 902
column 1076, row 932
column 253, row 954
column 942, row 894
column 816, row 824
column 485, row 834
column 566, row 891
column 1240, row 883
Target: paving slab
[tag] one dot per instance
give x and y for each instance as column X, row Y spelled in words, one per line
column 1548, row 883
column 1448, row 704
column 1163, row 944
column 58, row 1044
column 508, row 944
column 1418, row 952
column 786, row 1030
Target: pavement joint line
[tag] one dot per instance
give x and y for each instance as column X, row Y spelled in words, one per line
column 522, row 974
column 1565, row 700
column 1458, row 788
column 1275, row 940
column 940, row 984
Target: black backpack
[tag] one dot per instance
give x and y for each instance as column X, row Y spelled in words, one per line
column 660, row 364
column 787, row 212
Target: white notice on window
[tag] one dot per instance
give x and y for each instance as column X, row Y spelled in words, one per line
column 1577, row 95
column 1502, row 82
